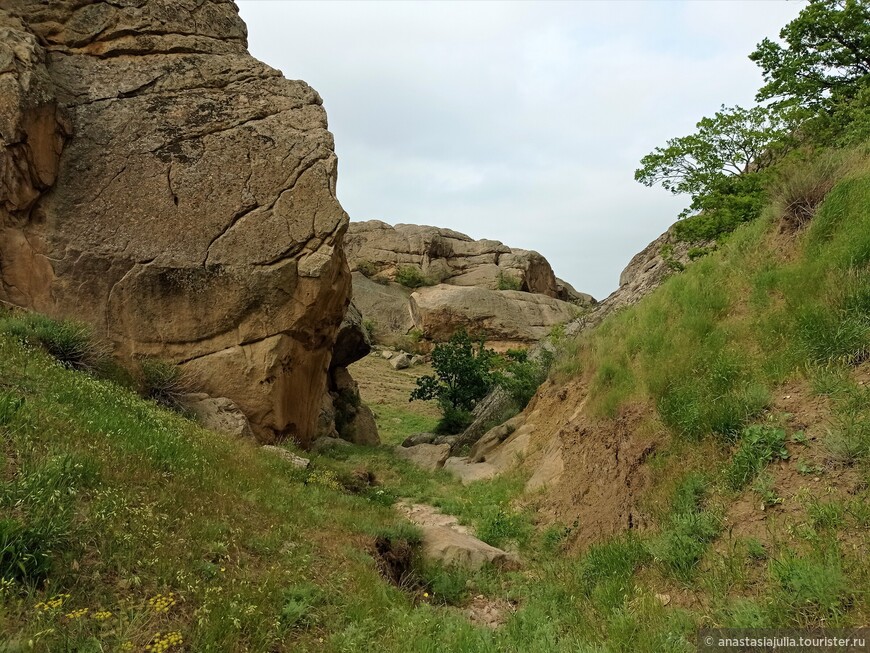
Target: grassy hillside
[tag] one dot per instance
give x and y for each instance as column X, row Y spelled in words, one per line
column 125, row 527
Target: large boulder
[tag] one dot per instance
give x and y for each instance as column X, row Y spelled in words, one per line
column 162, row 184
column 506, row 316
column 376, row 248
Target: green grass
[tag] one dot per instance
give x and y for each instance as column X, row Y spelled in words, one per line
column 395, row 423
column 113, row 505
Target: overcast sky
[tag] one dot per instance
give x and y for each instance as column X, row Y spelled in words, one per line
column 521, row 122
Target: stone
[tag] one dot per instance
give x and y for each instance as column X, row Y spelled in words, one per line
column 445, row 439
column 508, row 316
column 387, row 354
column 418, row 360
column 353, row 421
column 468, row 471
column 190, row 214
column 419, row 438
column 385, row 306
column 289, row 456
column 428, row 457
column 352, row 342
column 216, row 414
column 324, row 443
column 400, row 362
column 450, row 544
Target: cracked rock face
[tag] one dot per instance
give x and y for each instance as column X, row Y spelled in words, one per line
column 159, row 182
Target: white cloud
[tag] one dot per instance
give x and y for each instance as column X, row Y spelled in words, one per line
column 520, row 121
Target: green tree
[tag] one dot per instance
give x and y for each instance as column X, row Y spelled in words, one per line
column 734, row 141
column 824, row 60
column 463, row 374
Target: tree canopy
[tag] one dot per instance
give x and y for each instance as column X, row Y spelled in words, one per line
column 825, row 58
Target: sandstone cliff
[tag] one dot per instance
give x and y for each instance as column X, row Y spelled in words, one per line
column 159, row 182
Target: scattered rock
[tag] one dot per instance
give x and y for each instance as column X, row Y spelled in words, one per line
column 400, row 362
column 428, row 457
column 354, row 421
column 445, row 439
column 216, row 413
column 387, row 354
column 418, row 360
column 447, row 542
column 289, row 456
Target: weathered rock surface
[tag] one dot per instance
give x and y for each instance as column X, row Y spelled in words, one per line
column 352, row 342
column 447, row 542
column 507, row 316
column 217, row 414
column 162, row 184
column 344, row 415
column 428, row 457
column 385, row 305
column 446, row 256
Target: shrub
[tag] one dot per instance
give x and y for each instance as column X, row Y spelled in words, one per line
column 453, row 420
column 801, row 185
column 368, row 268
column 463, row 375
column 369, row 327
column 71, row 343
column 508, row 282
column 521, row 376
column 758, row 446
column 410, row 276
column 164, row 382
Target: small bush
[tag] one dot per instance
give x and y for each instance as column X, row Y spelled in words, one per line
column 508, row 282
column 369, row 327
column 802, row 185
column 453, row 421
column 411, row 277
column 521, row 376
column 298, row 606
column 758, row 446
column 368, row 268
column 72, row 344
column 164, row 382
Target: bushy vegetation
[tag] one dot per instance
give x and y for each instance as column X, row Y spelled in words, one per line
column 411, row 276
column 465, row 372
column 816, row 94
column 508, row 282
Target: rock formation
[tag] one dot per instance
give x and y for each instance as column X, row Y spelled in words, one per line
column 510, row 317
column 446, row 256
column 162, row 184
column 507, row 295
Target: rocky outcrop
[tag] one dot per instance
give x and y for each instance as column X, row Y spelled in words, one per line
column 504, row 316
column 165, row 186
column 447, row 256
